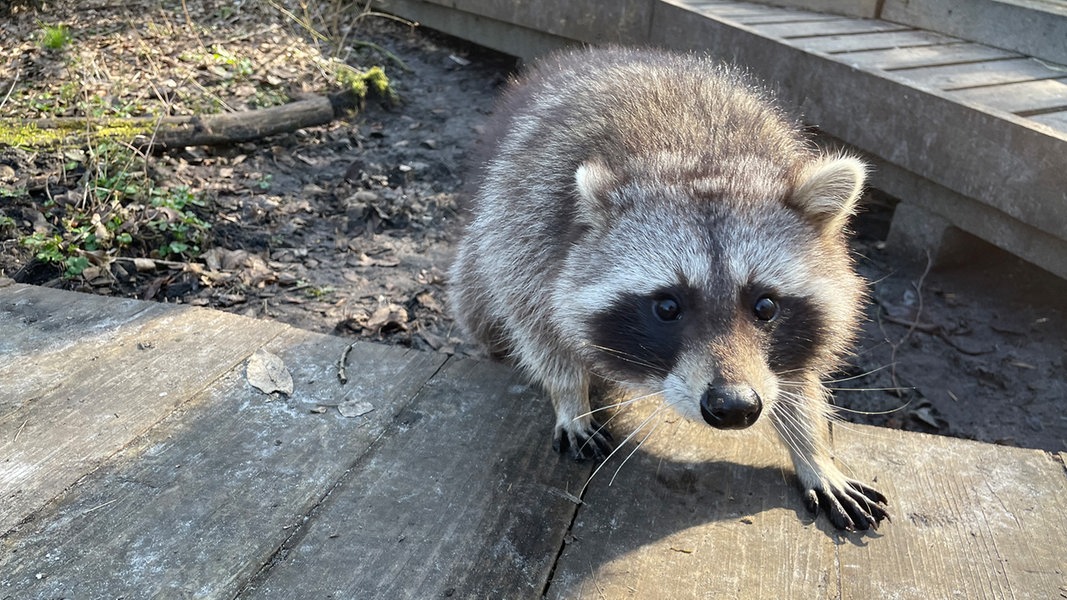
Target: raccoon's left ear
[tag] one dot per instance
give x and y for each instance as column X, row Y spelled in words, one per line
column 594, row 181
column 827, row 191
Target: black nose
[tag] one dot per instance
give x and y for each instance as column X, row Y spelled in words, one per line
column 730, row 406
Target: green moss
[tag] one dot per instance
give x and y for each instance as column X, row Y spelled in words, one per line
column 360, row 84
column 70, row 133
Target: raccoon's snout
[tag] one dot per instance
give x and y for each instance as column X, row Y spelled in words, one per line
column 730, row 406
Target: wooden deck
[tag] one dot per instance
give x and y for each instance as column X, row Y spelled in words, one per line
column 137, row 461
column 969, row 136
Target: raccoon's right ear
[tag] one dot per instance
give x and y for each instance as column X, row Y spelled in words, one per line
column 827, row 191
column 594, row 182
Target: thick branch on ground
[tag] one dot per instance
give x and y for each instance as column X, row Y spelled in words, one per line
column 177, row 132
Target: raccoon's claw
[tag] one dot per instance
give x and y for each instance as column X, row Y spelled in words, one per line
column 855, row 506
column 584, row 442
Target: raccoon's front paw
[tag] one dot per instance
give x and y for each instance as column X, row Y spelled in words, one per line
column 588, row 441
column 850, row 505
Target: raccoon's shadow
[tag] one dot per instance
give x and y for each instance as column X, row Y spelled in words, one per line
column 697, row 491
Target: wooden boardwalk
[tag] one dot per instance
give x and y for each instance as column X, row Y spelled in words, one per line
column 137, row 461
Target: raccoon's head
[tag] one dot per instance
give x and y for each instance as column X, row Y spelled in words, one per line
column 719, row 294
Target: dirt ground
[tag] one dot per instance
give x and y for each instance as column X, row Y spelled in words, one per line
column 348, row 228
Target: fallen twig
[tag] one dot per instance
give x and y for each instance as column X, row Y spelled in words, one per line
column 342, row 375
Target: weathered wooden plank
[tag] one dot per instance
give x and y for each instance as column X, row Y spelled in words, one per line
column 872, row 41
column 509, row 38
column 200, row 503
column 976, row 218
column 466, row 499
column 970, row 520
column 977, row 74
column 80, row 404
column 1032, row 28
column 622, row 21
column 1018, row 97
column 1056, row 120
column 824, row 28
column 841, row 99
column 35, row 319
column 696, row 513
column 830, row 8
column 923, row 56
column 853, row 8
column 799, row 16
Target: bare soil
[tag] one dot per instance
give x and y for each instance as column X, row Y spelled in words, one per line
column 348, row 228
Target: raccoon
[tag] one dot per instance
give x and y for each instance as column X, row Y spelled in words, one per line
column 652, row 220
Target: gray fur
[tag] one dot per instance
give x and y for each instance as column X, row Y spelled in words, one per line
column 624, row 171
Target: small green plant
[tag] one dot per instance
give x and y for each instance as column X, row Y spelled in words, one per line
column 54, row 249
column 120, row 211
column 55, row 37
column 182, row 229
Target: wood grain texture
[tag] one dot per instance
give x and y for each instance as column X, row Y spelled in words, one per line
column 464, row 499
column 201, row 502
column 980, row 74
column 79, row 404
column 1033, row 28
column 695, row 513
column 1018, row 97
column 923, row 56
column 832, row 44
column 1054, row 120
column 910, row 128
column 824, row 28
column 970, row 520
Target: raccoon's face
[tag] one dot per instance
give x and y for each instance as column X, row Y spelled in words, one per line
column 719, row 308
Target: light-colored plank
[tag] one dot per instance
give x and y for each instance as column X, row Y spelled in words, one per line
column 801, row 8
column 1018, row 97
column 735, row 11
column 1056, row 120
column 852, row 8
column 466, row 500
column 872, row 41
column 696, row 513
column 970, row 520
column 35, row 320
column 1034, row 28
column 81, row 404
column 1004, row 154
column 923, row 56
column 979, row 74
column 197, row 506
column 799, row 17
column 824, row 28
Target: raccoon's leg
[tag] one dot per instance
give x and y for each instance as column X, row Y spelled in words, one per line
column 577, row 432
column 801, row 419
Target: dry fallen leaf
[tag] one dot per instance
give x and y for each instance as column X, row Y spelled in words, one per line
column 354, row 408
column 268, row 373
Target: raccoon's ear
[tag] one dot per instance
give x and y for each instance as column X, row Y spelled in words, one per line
column 594, row 181
column 827, row 190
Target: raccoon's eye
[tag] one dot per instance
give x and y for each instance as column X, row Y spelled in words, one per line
column 765, row 308
column 667, row 309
